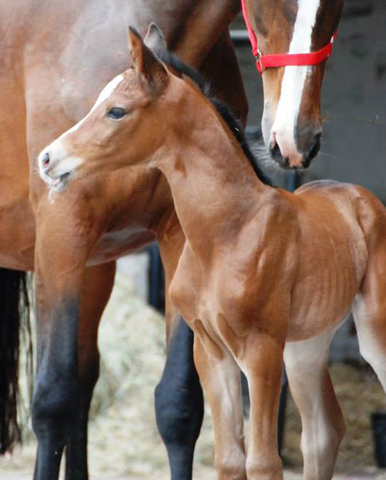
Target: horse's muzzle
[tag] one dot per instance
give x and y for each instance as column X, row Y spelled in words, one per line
column 295, row 159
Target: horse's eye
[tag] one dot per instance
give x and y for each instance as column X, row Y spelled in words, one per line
column 116, row 113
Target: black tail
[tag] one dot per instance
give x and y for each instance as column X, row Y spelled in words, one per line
column 14, row 325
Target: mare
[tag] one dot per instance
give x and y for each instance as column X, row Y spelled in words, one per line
column 264, row 273
column 291, row 121
column 56, row 57
column 48, row 80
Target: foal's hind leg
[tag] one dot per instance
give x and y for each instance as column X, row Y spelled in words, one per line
column 369, row 307
column 370, row 322
column 322, row 421
column 97, row 286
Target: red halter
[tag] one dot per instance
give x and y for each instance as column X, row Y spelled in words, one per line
column 284, row 59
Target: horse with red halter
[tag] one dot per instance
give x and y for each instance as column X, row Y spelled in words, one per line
column 49, row 79
column 292, row 41
column 263, row 273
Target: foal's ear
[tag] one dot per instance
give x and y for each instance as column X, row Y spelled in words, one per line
column 146, row 63
column 155, row 39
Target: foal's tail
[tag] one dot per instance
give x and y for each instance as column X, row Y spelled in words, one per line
column 14, row 326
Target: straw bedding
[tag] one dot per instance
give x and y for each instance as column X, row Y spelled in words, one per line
column 123, row 437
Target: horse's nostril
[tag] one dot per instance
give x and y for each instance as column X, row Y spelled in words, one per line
column 313, row 149
column 46, row 160
column 275, row 152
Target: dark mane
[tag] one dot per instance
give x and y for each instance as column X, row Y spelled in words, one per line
column 223, row 109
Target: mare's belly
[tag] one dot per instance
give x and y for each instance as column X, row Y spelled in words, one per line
column 17, row 230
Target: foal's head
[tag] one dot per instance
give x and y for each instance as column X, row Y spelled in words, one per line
column 292, row 121
column 125, row 126
column 136, row 116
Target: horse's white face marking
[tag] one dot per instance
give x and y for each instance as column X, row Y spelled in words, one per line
column 283, row 129
column 61, row 162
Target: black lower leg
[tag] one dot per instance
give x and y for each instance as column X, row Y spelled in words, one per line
column 179, row 403
column 76, row 447
column 57, row 389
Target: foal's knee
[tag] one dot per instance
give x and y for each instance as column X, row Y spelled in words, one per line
column 268, row 467
column 232, row 467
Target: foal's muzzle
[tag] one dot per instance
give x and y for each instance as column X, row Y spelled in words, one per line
column 55, row 167
column 45, row 161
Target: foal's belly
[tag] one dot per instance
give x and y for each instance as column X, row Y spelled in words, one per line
column 315, row 311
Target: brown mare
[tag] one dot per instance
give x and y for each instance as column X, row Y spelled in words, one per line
column 57, row 57
column 263, row 272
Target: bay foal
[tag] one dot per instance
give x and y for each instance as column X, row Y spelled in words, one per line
column 263, row 272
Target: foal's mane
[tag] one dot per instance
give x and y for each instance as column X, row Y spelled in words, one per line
column 222, row 108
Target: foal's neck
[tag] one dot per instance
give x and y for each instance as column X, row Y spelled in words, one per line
column 213, row 185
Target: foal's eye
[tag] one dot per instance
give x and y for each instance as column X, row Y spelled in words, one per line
column 116, row 113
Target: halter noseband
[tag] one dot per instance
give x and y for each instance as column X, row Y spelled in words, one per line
column 284, row 59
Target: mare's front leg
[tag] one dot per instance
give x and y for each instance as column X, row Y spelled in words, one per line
column 221, row 380
column 323, row 425
column 179, row 402
column 96, row 289
column 64, row 239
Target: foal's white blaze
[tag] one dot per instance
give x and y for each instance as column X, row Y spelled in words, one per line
column 60, row 161
column 104, row 95
column 283, row 129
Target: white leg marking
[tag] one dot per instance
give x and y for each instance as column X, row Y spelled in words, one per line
column 294, row 78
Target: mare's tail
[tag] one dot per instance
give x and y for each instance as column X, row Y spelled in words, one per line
column 14, row 326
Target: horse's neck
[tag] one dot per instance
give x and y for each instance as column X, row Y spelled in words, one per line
column 201, row 29
column 214, row 187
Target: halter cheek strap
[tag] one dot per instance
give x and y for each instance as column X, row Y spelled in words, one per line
column 284, row 59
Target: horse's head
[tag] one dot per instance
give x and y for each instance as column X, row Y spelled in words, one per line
column 292, row 121
column 125, row 126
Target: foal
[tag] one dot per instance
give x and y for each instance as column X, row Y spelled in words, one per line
column 260, row 266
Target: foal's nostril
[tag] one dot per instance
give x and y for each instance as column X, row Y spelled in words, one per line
column 313, row 149
column 46, row 161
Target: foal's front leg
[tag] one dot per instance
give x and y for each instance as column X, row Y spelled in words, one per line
column 221, row 380
column 262, row 364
